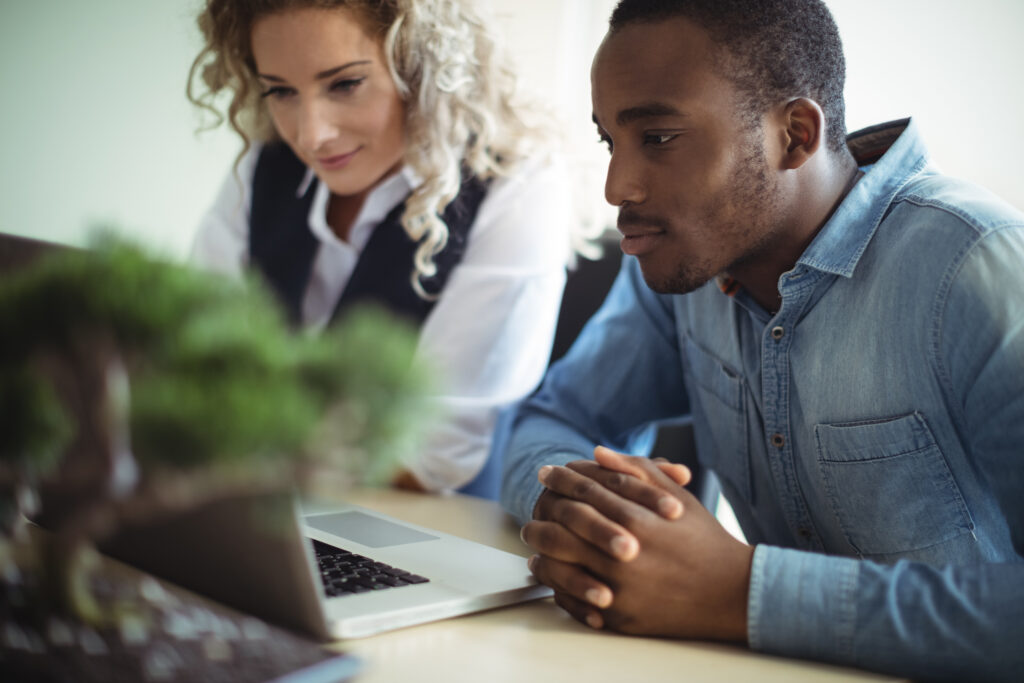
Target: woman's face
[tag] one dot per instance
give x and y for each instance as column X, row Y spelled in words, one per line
column 330, row 95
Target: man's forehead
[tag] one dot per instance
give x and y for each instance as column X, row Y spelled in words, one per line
column 657, row 41
column 650, row 68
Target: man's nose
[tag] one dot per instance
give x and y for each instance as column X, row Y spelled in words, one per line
column 624, row 182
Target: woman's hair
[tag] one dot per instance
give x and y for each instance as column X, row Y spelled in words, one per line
column 445, row 64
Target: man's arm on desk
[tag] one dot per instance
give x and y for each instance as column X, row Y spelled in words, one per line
column 686, row 577
column 961, row 622
column 621, row 374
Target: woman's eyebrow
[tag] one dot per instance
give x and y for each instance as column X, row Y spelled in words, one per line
column 323, row 74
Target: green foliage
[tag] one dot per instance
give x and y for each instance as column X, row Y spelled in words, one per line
column 363, row 360
column 216, row 376
column 36, row 429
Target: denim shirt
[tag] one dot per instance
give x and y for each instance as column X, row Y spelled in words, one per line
column 869, row 435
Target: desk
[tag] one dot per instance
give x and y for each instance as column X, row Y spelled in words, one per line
column 537, row 641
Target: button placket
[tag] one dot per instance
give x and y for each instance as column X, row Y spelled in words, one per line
column 775, row 390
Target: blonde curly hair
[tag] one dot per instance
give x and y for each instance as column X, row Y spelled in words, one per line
column 457, row 91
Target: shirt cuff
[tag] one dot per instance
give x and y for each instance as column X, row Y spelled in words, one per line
column 802, row 604
column 521, row 490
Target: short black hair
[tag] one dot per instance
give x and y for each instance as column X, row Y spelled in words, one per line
column 776, row 49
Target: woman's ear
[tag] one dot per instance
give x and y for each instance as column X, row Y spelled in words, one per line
column 804, row 123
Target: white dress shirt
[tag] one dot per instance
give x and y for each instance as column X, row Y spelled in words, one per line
column 488, row 336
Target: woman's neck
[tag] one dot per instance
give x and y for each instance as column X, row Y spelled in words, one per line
column 342, row 212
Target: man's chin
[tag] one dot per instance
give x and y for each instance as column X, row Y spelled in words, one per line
column 680, row 282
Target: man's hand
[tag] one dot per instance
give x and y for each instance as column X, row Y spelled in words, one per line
column 640, row 479
column 406, row 480
column 615, row 544
column 650, row 482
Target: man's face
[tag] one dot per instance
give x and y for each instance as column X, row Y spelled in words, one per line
column 695, row 191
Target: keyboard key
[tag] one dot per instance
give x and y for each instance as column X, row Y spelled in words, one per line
column 345, row 573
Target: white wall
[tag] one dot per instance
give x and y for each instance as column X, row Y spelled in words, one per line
column 96, row 125
column 95, row 121
column 953, row 65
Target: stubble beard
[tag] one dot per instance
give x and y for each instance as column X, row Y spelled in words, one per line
column 751, row 197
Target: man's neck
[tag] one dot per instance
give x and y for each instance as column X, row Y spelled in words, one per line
column 814, row 202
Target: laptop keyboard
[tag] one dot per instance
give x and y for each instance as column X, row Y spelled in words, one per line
column 346, row 573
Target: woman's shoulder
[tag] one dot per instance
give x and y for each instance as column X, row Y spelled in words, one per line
column 526, row 215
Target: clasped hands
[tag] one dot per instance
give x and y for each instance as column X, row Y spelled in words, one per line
column 626, row 547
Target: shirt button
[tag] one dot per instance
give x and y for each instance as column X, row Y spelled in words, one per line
column 778, row 440
column 777, row 333
column 804, row 532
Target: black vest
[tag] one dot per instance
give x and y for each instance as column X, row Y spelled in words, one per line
column 283, row 249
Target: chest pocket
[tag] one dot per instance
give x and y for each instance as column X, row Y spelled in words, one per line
column 716, row 395
column 891, row 489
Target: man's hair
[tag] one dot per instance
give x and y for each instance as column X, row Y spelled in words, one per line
column 773, row 50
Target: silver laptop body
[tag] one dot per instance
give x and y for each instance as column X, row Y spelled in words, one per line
column 255, row 554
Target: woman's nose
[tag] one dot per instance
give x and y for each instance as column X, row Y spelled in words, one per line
column 315, row 127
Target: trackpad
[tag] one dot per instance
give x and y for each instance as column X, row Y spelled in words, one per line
column 366, row 529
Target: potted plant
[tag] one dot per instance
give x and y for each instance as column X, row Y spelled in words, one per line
column 131, row 387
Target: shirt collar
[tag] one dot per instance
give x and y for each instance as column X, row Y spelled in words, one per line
column 379, row 202
column 890, row 154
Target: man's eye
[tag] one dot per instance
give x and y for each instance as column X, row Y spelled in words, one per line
column 659, row 138
column 346, row 84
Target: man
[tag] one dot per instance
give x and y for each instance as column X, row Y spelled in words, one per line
column 844, row 325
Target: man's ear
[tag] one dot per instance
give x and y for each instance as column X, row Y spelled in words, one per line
column 804, row 123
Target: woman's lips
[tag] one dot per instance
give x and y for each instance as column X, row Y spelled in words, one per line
column 337, row 161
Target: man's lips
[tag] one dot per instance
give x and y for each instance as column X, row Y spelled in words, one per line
column 640, row 235
column 337, row 161
column 640, row 242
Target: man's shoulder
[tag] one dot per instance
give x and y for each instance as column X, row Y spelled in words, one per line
column 933, row 201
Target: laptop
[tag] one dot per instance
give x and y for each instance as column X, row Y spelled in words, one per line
column 328, row 571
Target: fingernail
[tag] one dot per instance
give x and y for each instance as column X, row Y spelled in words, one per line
column 623, row 547
column 522, row 534
column 531, row 562
column 543, row 473
column 670, row 507
column 594, row 620
column 597, row 597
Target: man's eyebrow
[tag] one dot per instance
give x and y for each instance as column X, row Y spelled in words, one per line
column 646, row 111
column 323, row 74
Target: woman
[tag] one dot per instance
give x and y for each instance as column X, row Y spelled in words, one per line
column 383, row 159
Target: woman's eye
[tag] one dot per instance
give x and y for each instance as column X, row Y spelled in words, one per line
column 606, row 141
column 277, row 92
column 346, row 84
